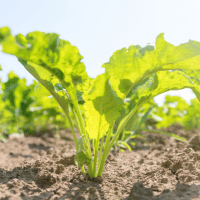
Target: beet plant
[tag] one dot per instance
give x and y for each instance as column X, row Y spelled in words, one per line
column 145, row 72
column 16, row 100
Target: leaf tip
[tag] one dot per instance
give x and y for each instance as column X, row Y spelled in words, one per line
column 4, row 31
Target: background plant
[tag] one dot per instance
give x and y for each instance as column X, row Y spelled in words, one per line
column 192, row 115
column 27, row 108
column 176, row 110
column 16, row 99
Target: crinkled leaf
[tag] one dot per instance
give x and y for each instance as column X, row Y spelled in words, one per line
column 47, row 51
column 128, row 67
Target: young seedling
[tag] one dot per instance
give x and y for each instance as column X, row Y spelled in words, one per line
column 148, row 71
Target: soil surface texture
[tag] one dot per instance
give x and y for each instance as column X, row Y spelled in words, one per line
column 162, row 168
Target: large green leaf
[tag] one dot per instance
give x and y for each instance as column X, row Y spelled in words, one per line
column 102, row 107
column 128, row 67
column 47, row 51
column 48, row 58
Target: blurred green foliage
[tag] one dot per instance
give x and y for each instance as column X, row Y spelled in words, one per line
column 176, row 110
column 27, row 108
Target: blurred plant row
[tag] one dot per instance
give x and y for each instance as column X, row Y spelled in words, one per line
column 177, row 110
column 30, row 109
column 27, row 108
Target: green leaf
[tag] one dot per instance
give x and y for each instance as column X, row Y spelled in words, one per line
column 129, row 67
column 136, row 136
column 102, row 107
column 167, row 80
column 124, row 144
column 143, row 119
column 48, row 51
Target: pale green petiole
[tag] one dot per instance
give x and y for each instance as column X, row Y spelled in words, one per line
column 108, row 146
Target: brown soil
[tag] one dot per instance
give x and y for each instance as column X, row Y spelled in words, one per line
column 43, row 168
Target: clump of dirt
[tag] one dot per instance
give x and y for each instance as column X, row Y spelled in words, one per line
column 43, row 168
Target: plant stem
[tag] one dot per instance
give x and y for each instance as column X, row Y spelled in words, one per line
column 95, row 155
column 96, row 152
column 104, row 156
column 77, row 121
column 82, row 126
column 100, row 154
column 119, row 130
column 78, row 114
column 123, row 124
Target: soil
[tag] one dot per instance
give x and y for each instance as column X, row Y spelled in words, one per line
column 34, row 168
